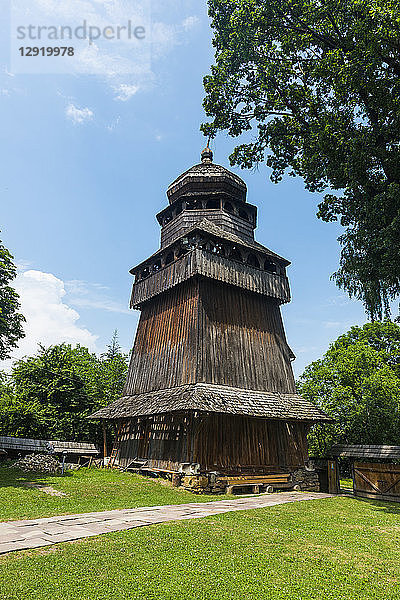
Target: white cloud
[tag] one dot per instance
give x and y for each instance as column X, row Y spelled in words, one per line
column 49, row 320
column 114, row 124
column 190, row 22
column 125, row 91
column 92, row 295
column 78, row 115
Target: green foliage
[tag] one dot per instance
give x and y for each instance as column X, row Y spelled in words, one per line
column 10, row 320
column 51, row 394
column 357, row 382
column 318, row 85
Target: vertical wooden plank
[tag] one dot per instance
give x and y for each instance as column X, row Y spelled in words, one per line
column 333, row 477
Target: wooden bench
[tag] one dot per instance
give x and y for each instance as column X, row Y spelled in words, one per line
column 259, row 483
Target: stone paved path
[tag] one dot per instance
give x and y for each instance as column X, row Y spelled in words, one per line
column 22, row 535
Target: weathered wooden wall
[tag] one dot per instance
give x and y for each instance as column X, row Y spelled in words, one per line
column 203, row 263
column 187, row 219
column 206, row 331
column 215, row 441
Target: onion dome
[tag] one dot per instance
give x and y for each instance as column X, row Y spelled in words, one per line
column 205, row 178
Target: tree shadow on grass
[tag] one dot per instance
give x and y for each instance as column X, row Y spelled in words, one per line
column 11, row 477
column 392, row 508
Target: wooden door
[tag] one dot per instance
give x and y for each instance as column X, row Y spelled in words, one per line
column 333, row 477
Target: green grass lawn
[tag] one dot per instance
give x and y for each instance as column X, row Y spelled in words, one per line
column 346, row 484
column 87, row 490
column 340, row 548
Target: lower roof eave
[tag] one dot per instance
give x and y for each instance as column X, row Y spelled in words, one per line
column 214, row 398
column 113, row 417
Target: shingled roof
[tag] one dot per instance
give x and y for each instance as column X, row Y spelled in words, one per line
column 203, row 175
column 206, row 397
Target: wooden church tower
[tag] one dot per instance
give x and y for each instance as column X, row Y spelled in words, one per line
column 210, row 386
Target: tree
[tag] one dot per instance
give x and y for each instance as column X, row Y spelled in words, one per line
column 357, row 382
column 113, row 348
column 10, row 319
column 49, row 395
column 114, row 367
column 317, row 84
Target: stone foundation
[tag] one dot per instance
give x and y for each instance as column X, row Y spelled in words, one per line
column 305, row 478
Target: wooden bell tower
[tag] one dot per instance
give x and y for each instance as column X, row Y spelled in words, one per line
column 210, row 383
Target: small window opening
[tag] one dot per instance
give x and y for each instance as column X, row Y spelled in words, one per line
column 243, row 214
column 253, row 261
column 235, row 255
column 212, row 204
column 270, row 266
column 157, row 266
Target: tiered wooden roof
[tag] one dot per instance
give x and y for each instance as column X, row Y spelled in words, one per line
column 205, row 397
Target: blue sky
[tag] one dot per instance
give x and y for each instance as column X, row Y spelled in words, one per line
column 86, row 160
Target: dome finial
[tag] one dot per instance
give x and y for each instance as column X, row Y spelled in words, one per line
column 207, row 154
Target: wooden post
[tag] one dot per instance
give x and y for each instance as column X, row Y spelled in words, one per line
column 176, row 480
column 333, row 477
column 104, row 439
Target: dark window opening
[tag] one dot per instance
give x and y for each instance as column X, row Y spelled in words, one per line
column 182, row 250
column 270, row 266
column 169, row 258
column 235, row 255
column 218, row 249
column 229, row 208
column 193, row 205
column 212, row 204
column 145, row 273
column 178, row 209
column 167, row 219
column 204, row 244
column 157, row 266
column 243, row 214
column 253, row 261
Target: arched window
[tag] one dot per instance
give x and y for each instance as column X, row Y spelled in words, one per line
column 234, row 254
column 253, row 261
column 217, row 249
column 193, row 205
column 229, row 208
column 243, row 214
column 169, row 258
column 212, row 204
column 145, row 273
column 269, row 266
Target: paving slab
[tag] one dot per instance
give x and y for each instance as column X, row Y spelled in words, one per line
column 28, row 534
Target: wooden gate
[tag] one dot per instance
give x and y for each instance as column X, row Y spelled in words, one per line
column 375, row 480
